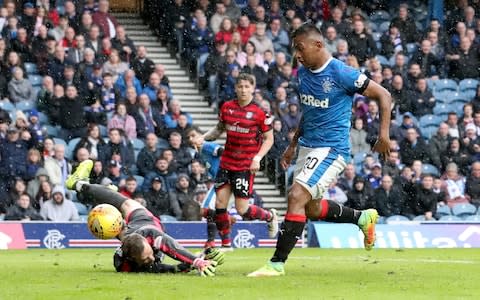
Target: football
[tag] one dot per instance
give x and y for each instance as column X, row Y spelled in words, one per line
column 105, row 221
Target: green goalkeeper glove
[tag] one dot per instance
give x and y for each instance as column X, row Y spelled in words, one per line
column 215, row 254
column 206, row 268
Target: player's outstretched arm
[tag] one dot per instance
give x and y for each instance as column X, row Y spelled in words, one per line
column 215, row 132
column 384, row 100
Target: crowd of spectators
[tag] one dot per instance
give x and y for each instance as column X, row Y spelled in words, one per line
column 74, row 86
column 101, row 97
column 427, row 59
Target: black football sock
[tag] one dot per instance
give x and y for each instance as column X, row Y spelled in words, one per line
column 290, row 232
column 102, row 194
column 337, row 213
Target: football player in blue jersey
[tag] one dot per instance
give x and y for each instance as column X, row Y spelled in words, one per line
column 326, row 88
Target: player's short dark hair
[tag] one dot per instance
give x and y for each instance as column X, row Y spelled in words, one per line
column 247, row 77
column 132, row 245
column 305, row 29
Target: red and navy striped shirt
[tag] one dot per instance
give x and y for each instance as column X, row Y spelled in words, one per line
column 245, row 127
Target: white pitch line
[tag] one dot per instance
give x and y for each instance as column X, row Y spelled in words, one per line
column 421, row 260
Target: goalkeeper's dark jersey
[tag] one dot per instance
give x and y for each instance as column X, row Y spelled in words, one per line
column 143, row 222
column 122, row 264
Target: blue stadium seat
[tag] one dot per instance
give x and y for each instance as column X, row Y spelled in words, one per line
column 419, row 218
column 31, row 68
column 384, row 26
column 35, row 80
column 359, row 157
column 376, row 36
column 7, row 106
column 444, row 210
column 162, row 144
column 431, row 83
column 71, row 147
column 373, row 28
column 428, row 132
column 449, row 218
column 103, row 130
column 457, row 98
column 52, row 131
column 396, row 218
column 379, row 16
column 59, row 141
column 138, row 144
column 446, row 84
column 475, row 218
column 25, row 106
column 73, row 196
column 139, row 179
column 82, row 209
column 441, row 110
column 412, row 48
column 135, row 153
column 463, row 210
column 430, row 169
column 419, row 25
column 429, row 120
column 382, row 60
column 468, row 94
column 468, row 84
column 442, row 96
column 43, row 118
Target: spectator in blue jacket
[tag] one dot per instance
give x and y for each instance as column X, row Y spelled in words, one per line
column 152, row 87
column 126, row 80
column 175, row 110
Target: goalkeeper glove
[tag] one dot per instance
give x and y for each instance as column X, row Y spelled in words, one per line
column 206, row 268
column 215, row 254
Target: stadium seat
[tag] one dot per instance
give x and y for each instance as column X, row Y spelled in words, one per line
column 7, row 106
column 419, row 218
column 52, row 131
column 73, row 196
column 468, row 84
column 431, row 83
column 382, row 60
column 138, row 144
column 411, row 48
column 59, row 141
column 31, row 68
column 475, row 218
column 396, row 218
column 444, row 210
column 463, row 210
column 468, row 94
column 103, row 130
column 373, row 28
column 162, row 144
column 429, row 120
column 25, row 106
column 428, row 132
column 419, row 25
column 35, row 80
column 139, row 179
column 430, row 169
column 384, row 26
column 83, row 218
column 43, row 118
column 446, row 84
column 135, row 153
column 379, row 16
column 82, row 209
column 449, row 218
column 442, row 96
column 441, row 110
column 71, row 147
column 376, row 36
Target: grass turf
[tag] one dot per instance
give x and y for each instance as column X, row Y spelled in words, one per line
column 311, row 273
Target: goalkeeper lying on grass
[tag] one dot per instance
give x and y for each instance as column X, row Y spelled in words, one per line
column 143, row 240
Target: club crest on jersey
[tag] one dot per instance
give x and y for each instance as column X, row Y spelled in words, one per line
column 327, row 85
column 249, row 115
column 360, row 81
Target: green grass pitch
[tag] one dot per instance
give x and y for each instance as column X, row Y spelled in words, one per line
column 311, row 274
